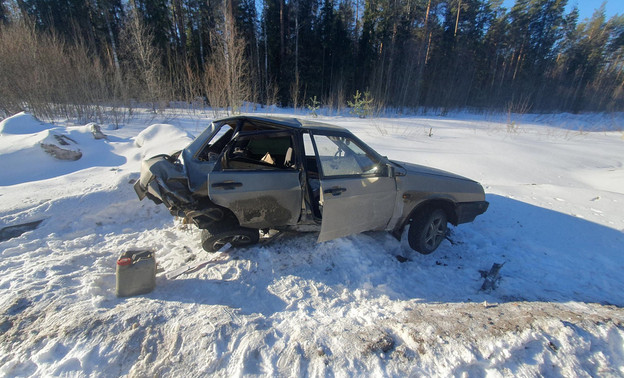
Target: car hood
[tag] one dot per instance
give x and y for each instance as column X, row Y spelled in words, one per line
column 415, row 169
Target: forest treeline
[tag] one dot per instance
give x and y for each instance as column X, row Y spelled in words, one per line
column 66, row 55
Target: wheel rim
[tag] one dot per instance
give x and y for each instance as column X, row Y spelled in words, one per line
column 436, row 230
column 234, row 240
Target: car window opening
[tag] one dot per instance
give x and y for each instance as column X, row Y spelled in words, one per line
column 215, row 146
column 259, row 151
column 341, row 156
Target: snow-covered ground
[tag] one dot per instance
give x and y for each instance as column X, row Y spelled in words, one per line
column 344, row 307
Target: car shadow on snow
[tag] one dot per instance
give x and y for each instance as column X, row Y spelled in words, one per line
column 547, row 256
column 238, row 280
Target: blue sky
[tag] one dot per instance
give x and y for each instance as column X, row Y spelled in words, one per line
column 587, row 7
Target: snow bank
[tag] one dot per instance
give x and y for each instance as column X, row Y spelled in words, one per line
column 162, row 139
column 22, row 123
column 25, row 160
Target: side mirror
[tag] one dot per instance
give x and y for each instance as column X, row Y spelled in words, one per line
column 390, row 170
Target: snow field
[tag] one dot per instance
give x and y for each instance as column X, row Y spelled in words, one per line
column 344, row 307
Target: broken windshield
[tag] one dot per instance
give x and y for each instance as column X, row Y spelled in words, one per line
column 220, row 137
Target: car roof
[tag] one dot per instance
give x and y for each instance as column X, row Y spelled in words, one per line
column 290, row 122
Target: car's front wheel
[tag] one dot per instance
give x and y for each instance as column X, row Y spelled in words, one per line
column 427, row 231
column 215, row 238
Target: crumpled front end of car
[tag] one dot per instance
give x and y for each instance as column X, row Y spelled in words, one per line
column 163, row 180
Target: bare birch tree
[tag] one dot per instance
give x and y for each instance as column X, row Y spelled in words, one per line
column 144, row 59
column 227, row 70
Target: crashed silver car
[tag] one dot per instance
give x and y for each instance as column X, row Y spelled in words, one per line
column 245, row 174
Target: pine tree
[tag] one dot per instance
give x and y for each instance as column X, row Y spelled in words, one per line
column 4, row 14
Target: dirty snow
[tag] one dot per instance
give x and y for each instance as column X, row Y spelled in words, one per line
column 344, row 307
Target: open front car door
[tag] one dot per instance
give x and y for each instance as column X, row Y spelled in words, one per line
column 357, row 192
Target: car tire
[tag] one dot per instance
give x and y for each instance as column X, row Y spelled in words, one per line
column 426, row 232
column 219, row 234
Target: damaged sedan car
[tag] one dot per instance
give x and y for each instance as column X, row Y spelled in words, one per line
column 247, row 174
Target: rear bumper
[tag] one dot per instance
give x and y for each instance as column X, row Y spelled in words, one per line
column 152, row 192
column 468, row 211
column 140, row 190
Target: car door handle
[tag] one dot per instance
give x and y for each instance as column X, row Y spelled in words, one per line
column 336, row 191
column 228, row 185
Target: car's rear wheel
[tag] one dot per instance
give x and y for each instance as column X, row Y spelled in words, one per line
column 218, row 235
column 427, row 231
